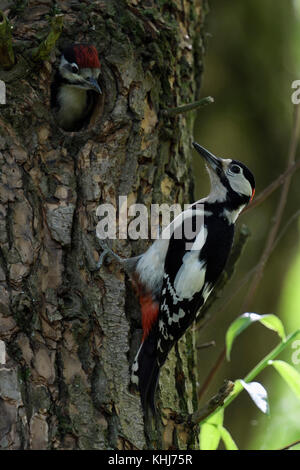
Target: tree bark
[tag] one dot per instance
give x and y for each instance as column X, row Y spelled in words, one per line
column 71, row 331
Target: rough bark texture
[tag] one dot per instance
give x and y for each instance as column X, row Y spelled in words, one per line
column 70, row 331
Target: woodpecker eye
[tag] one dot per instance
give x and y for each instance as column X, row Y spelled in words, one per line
column 235, row 169
column 75, row 68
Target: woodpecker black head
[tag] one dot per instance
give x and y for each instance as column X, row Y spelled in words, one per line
column 75, row 86
column 232, row 183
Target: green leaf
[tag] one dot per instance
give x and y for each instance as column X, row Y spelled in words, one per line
column 210, row 433
column 217, row 418
column 289, row 374
column 227, row 439
column 209, row 436
column 258, row 394
column 243, row 321
column 273, row 323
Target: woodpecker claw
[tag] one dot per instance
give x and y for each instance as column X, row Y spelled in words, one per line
column 102, row 258
column 107, row 252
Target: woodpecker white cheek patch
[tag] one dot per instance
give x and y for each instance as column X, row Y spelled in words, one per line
column 240, row 184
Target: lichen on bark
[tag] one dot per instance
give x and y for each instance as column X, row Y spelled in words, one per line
column 70, row 331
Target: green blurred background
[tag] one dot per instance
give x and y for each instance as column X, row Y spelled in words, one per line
column 252, row 58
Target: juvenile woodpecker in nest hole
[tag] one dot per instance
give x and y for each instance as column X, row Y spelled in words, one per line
column 175, row 276
column 75, row 86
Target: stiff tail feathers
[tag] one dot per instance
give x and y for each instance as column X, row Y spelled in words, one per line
column 147, row 370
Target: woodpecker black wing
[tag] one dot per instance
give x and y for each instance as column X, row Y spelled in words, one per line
column 186, row 287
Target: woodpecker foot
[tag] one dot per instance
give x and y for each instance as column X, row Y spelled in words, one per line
column 105, row 253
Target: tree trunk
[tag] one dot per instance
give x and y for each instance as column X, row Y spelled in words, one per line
column 71, row 331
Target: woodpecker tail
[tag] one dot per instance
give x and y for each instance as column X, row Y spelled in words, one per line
column 145, row 371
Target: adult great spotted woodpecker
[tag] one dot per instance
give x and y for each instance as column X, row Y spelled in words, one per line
column 175, row 275
column 75, row 86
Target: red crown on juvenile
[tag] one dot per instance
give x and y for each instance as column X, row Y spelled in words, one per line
column 86, row 56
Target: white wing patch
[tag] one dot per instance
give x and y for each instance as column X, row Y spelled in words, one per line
column 191, row 275
column 176, row 317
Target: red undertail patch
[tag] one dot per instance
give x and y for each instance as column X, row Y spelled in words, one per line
column 86, row 56
column 253, row 192
column 149, row 309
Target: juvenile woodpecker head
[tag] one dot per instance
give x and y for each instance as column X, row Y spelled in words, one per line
column 80, row 67
column 232, row 183
column 76, row 85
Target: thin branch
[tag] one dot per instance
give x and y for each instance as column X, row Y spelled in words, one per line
column 236, row 290
column 211, row 375
column 279, row 212
column 188, row 107
column 212, row 405
column 285, row 228
column 206, row 345
column 201, row 323
column 272, row 187
column 7, row 57
column 291, row 445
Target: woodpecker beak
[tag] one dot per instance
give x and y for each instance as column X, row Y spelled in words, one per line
column 94, row 85
column 213, row 161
